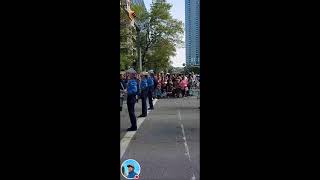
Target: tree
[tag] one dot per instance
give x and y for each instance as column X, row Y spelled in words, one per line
column 159, row 57
column 170, row 68
column 189, row 69
column 141, row 14
column 126, row 41
column 160, row 34
column 160, row 28
column 124, row 21
column 140, row 20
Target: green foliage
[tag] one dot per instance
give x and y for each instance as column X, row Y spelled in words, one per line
column 141, row 13
column 125, row 61
column 160, row 35
column 124, row 20
column 170, row 68
column 126, row 42
column 159, row 57
column 189, row 69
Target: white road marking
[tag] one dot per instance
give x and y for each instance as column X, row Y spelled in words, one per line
column 193, row 177
column 124, row 143
column 185, row 143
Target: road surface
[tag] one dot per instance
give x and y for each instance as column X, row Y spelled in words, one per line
column 167, row 142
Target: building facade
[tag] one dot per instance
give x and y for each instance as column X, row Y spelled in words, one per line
column 139, row 2
column 192, row 29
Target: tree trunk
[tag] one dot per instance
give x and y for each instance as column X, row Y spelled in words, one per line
column 144, row 55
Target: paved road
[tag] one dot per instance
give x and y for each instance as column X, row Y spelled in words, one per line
column 167, row 144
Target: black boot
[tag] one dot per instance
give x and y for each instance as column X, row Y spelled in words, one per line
column 132, row 129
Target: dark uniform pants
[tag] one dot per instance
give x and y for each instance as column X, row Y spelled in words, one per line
column 131, row 100
column 150, row 95
column 144, row 94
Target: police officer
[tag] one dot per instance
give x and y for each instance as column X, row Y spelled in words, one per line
column 150, row 81
column 132, row 90
column 144, row 93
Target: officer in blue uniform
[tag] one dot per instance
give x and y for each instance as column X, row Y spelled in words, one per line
column 132, row 91
column 144, row 93
column 150, row 81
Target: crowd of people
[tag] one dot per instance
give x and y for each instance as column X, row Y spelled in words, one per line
column 169, row 85
column 149, row 86
column 175, row 85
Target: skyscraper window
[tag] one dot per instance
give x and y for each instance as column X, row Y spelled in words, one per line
column 192, row 31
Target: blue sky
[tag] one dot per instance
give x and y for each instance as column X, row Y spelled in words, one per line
column 178, row 12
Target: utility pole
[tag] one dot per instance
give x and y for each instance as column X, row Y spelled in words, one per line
column 132, row 16
column 139, row 46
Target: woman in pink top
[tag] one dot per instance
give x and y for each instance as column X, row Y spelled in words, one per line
column 184, row 85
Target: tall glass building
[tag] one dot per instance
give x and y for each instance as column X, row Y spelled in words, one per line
column 192, row 29
column 139, row 2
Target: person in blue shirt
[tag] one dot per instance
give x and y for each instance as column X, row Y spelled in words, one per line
column 150, row 81
column 131, row 173
column 132, row 91
column 144, row 93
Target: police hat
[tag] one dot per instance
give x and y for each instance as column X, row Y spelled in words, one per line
column 130, row 166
